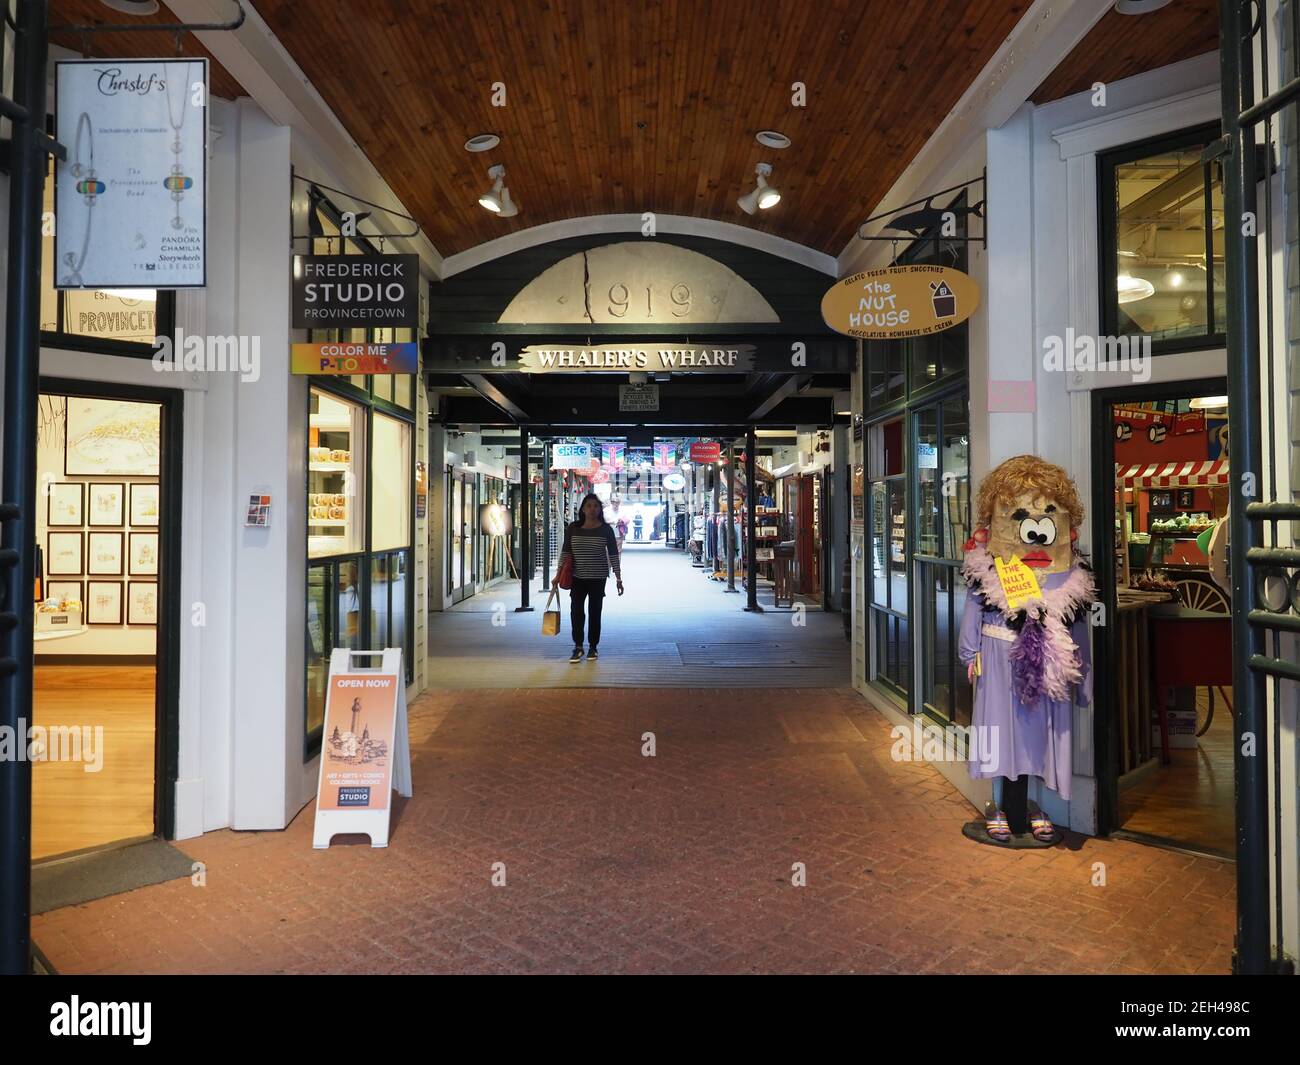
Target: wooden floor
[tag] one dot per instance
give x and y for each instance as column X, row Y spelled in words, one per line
column 1189, row 801
column 73, row 809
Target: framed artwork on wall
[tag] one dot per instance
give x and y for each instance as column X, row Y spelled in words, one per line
column 64, row 504
column 142, row 558
column 104, row 554
column 63, row 554
column 103, row 603
column 63, row 590
column 1186, row 498
column 106, row 504
column 111, row 437
column 142, row 603
column 144, row 504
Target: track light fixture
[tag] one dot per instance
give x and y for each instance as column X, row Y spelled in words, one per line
column 497, row 198
column 763, row 195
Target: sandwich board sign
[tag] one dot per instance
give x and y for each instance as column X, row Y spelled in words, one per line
column 365, row 749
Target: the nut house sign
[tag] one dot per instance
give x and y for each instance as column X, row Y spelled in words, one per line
column 900, row 301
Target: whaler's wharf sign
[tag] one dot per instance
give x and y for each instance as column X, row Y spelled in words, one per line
column 652, row 358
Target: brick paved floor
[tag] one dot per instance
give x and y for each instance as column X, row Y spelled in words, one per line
column 679, row 863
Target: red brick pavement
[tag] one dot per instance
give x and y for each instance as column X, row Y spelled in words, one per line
column 680, row 863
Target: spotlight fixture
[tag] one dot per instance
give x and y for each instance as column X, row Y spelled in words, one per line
column 763, row 195
column 497, row 198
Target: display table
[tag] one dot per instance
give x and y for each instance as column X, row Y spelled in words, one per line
column 1189, row 649
column 56, row 634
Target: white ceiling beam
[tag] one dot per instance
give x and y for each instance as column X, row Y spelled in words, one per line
column 256, row 59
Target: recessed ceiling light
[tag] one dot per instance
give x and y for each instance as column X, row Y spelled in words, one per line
column 770, row 138
column 1139, row 7
column 133, row 7
column 484, row 142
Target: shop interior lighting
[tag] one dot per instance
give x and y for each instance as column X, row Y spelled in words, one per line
column 497, row 198
column 1132, row 289
column 1208, row 402
column 133, row 7
column 763, row 195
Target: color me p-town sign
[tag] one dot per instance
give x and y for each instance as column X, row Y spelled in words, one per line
column 652, row 358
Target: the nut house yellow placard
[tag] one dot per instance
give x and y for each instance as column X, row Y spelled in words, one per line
column 1019, row 584
column 900, row 301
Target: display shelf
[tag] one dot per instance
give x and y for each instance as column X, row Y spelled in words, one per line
column 330, row 467
column 331, row 523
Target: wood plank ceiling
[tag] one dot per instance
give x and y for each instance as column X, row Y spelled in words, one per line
column 1120, row 46
column 641, row 106
column 135, row 45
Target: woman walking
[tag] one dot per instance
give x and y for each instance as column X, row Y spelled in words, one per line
column 592, row 550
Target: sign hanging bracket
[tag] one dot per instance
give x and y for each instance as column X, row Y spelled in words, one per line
column 928, row 220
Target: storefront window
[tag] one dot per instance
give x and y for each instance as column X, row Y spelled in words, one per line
column 335, row 461
column 886, row 469
column 1162, row 225
column 390, row 473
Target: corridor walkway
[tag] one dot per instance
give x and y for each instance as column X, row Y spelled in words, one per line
column 678, row 863
column 674, row 628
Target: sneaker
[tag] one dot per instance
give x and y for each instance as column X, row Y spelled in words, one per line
column 592, row 654
column 577, row 655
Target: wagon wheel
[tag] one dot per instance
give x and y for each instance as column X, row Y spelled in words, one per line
column 1202, row 595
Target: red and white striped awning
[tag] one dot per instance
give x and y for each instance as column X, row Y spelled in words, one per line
column 1193, row 473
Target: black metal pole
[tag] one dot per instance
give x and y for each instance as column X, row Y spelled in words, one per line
column 526, row 520
column 17, row 557
column 714, row 473
column 731, row 516
column 751, row 523
column 546, row 517
column 1236, row 61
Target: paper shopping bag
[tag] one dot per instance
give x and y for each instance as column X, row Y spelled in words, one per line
column 551, row 619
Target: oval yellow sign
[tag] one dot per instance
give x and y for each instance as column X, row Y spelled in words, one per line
column 900, row 301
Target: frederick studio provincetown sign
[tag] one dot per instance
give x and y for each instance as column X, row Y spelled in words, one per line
column 895, row 302
column 356, row 291
column 652, row 358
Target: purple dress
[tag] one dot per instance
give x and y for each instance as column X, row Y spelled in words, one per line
column 1014, row 738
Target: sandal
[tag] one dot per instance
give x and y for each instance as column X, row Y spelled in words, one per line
column 996, row 825
column 1041, row 826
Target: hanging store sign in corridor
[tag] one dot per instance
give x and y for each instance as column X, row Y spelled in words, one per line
column 130, row 198
column 356, row 291
column 654, row 358
column 900, row 301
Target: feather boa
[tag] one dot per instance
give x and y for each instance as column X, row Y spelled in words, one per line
column 1044, row 657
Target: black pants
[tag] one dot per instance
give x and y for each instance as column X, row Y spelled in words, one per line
column 593, row 593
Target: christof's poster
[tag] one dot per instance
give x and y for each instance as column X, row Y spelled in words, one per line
column 130, row 199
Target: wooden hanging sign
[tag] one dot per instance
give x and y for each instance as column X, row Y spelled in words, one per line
column 900, row 301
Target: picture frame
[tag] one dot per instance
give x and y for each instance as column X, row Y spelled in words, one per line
column 64, row 554
column 142, row 603
column 1162, row 499
column 144, row 504
column 1186, row 498
column 65, row 590
column 142, row 554
column 111, row 437
column 105, row 504
column 103, row 603
column 104, row 554
column 65, row 505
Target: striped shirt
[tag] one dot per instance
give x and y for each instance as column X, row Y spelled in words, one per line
column 594, row 552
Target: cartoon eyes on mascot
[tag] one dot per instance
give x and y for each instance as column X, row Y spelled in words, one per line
column 1025, row 640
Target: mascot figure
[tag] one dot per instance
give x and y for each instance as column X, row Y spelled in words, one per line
column 1025, row 641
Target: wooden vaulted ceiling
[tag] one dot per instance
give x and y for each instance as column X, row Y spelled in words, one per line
column 641, row 105
column 1120, row 46
column 134, row 45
